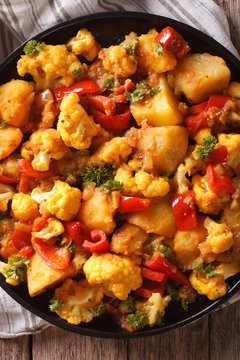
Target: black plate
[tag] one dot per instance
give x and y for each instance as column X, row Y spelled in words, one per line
column 110, row 28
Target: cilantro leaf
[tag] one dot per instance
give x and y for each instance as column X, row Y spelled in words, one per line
column 207, row 148
column 207, row 269
column 17, row 268
column 131, row 49
column 108, row 83
column 97, row 174
column 100, row 309
column 113, row 185
column 159, row 48
column 136, row 321
column 78, row 71
column 127, row 305
column 163, row 250
column 71, row 248
column 141, row 90
column 33, row 47
column 55, row 305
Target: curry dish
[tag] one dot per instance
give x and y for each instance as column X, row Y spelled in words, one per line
column 120, row 176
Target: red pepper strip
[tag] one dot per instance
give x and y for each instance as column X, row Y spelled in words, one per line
column 100, row 243
column 80, row 87
column 194, row 123
column 217, row 100
column 152, row 274
column 184, row 210
column 219, row 156
column 120, row 90
column 113, row 122
column 39, row 223
column 25, row 167
column 130, row 204
column 219, row 182
column 197, row 109
column 150, row 287
column 20, row 239
column 173, row 42
column 7, row 180
column 24, row 184
column 163, row 265
column 26, row 251
column 118, row 316
column 56, row 258
column 102, row 103
column 77, row 231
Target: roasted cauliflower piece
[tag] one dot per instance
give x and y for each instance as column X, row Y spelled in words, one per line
column 114, row 151
column 53, row 228
column 120, row 274
column 55, row 66
column 197, row 76
column 153, row 308
column 10, row 139
column 234, row 89
column 75, row 126
column 116, row 60
column 44, row 109
column 213, row 288
column 6, row 194
column 16, row 98
column 207, row 200
column 220, row 237
column 24, row 208
column 78, row 300
column 44, row 145
column 63, row 201
column 84, row 44
column 9, row 167
column 180, row 182
column 128, row 240
column 232, row 142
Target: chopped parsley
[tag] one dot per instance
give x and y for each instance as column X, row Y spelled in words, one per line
column 55, row 305
column 141, row 90
column 108, row 83
column 33, row 47
column 137, row 321
column 159, row 48
column 127, row 306
column 171, row 291
column 71, row 249
column 163, row 250
column 131, row 49
column 78, row 71
column 2, row 123
column 101, row 176
column 207, row 269
column 100, row 309
column 17, row 268
column 207, row 148
column 113, row 185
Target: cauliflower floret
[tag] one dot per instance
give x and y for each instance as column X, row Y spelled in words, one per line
column 120, row 274
column 128, row 239
column 84, row 44
column 63, row 201
column 78, row 300
column 180, row 182
column 74, row 124
column 50, row 68
column 116, row 60
column 52, row 228
column 43, row 146
column 16, row 98
column 153, row 308
column 192, row 162
column 10, row 139
column 6, row 194
column 213, row 288
column 232, row 142
column 114, row 152
column 220, row 237
column 79, row 258
column 151, row 186
column 24, row 208
column 124, row 174
column 207, row 200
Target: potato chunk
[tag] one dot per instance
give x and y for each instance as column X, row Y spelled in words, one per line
column 199, row 75
column 161, row 109
column 157, row 219
column 10, row 139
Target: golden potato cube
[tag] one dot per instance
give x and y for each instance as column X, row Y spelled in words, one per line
column 10, row 139
column 161, row 109
column 40, row 276
column 234, row 89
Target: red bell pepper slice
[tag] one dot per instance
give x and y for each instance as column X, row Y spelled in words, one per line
column 127, row 86
column 25, row 167
column 56, row 258
column 130, row 204
column 20, row 239
column 120, row 99
column 100, row 242
column 194, row 123
column 7, row 180
column 197, row 109
column 24, row 184
column 118, row 316
column 26, row 251
column 184, row 210
column 153, row 274
column 218, row 156
column 102, row 103
column 163, row 265
column 80, row 87
column 219, row 182
column 77, row 231
column 173, row 42
column 113, row 122
column 150, row 287
column 217, row 100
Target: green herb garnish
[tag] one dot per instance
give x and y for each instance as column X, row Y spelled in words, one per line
column 71, row 249
column 113, row 185
column 207, row 148
column 141, row 90
column 136, row 321
column 2, row 123
column 97, row 174
column 163, row 250
column 108, row 83
column 33, row 47
column 127, row 306
column 166, row 176
column 171, row 76
column 131, row 49
column 55, row 305
column 207, row 269
column 17, row 268
column 100, row 309
column 159, row 48
column 175, row 296
column 78, row 72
